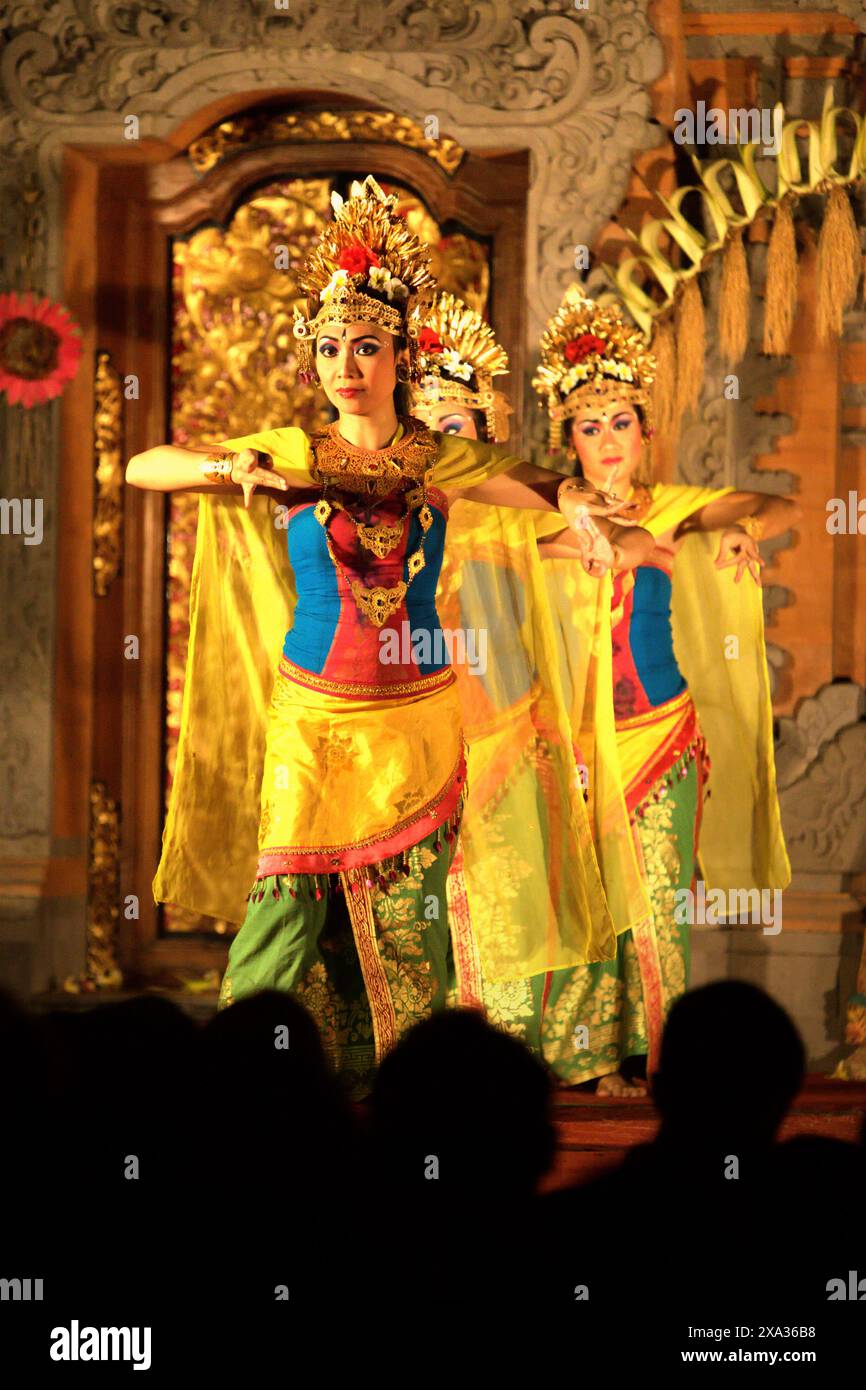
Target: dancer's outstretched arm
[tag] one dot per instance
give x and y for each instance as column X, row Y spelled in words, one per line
column 169, row 468
column 541, row 489
column 744, row 519
column 592, row 536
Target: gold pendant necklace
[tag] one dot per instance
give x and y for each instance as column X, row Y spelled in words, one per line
column 379, row 604
column 380, row 538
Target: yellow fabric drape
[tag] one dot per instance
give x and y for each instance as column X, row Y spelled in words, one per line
column 571, row 691
column 718, row 632
column 528, row 852
column 241, row 601
column 551, row 912
column 580, row 608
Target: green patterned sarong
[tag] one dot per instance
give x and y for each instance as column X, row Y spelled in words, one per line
column 367, row 965
column 584, row 1021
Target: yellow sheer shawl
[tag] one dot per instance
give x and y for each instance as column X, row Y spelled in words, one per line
column 718, row 631
column 547, row 909
column 539, row 676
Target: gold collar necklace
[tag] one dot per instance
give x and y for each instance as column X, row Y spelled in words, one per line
column 336, row 462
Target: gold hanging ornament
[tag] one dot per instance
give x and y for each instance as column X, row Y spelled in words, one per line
column 665, row 386
column 780, row 290
column 734, row 300
column 838, row 264
column 691, row 347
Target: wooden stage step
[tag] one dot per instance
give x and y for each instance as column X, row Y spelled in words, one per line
column 595, row 1131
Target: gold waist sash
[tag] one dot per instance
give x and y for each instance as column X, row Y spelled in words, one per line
column 350, row 781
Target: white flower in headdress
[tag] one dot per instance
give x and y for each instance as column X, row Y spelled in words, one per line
column 455, row 366
column 380, row 278
column 336, row 282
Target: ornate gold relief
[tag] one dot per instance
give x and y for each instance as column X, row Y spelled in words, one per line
column 101, row 970
column 459, row 263
column 258, row 128
column 108, row 452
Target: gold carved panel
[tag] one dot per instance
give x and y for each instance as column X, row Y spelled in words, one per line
column 261, row 128
column 108, row 459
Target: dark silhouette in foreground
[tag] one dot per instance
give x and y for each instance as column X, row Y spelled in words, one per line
column 460, row 1136
column 149, row 1159
column 714, row 1214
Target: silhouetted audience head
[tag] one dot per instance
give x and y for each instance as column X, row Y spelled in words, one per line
column 731, row 1063
column 467, row 1102
column 287, row 1110
column 128, row 1068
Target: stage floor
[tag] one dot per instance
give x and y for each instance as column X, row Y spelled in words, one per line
column 595, row 1131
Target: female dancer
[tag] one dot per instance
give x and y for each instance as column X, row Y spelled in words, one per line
column 355, row 752
column 689, row 685
column 459, row 360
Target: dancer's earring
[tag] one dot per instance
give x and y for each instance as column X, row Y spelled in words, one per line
column 644, row 470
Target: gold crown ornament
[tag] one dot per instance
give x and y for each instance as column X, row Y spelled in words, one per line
column 458, row 357
column 367, row 267
column 590, row 353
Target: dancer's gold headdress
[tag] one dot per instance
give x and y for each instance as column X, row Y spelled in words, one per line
column 458, row 357
column 589, row 352
column 367, row 266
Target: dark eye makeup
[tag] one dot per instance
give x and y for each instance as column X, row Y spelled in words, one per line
column 621, row 422
column 327, row 347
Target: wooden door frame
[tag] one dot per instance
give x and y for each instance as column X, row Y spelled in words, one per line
column 122, row 206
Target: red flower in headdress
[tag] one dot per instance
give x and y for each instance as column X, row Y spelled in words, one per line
column 578, row 349
column 40, row 348
column 356, row 259
column 429, row 341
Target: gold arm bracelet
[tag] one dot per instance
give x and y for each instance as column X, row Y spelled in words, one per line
column 753, row 526
column 218, row 469
column 568, row 485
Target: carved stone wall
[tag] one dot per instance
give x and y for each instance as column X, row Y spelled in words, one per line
column 821, row 771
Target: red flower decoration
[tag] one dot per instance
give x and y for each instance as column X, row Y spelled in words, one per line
column 40, row 347
column 357, row 259
column 578, row 349
column 429, row 341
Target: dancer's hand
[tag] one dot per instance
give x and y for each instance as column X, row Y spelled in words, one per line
column 603, row 557
column 575, row 497
column 597, row 554
column 737, row 547
column 251, row 469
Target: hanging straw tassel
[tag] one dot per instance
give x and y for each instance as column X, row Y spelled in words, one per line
column 838, row 264
column 780, row 289
column 665, row 387
column 734, row 300
column 691, row 345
